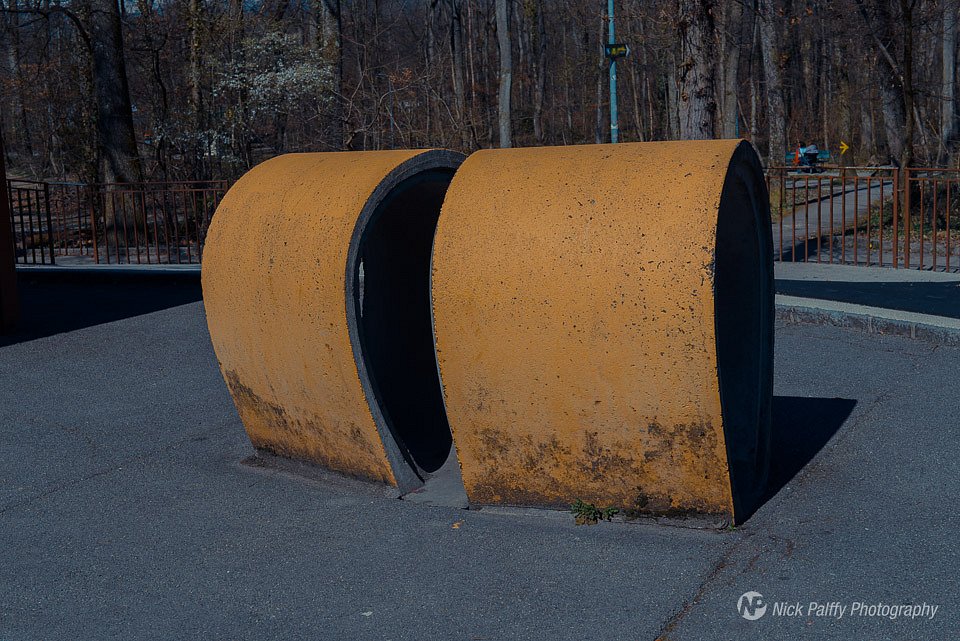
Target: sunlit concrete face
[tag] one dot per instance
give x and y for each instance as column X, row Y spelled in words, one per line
column 290, row 315
column 576, row 324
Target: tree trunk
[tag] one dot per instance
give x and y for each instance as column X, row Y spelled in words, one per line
column 120, row 160
column 672, row 91
column 601, row 71
column 330, row 34
column 846, row 119
column 894, row 123
column 506, row 73
column 472, row 45
column 486, row 65
column 891, row 80
column 732, row 44
column 948, row 107
column 636, row 89
column 776, row 126
column 909, row 108
column 89, row 149
column 697, row 73
column 646, row 131
column 541, row 75
column 200, row 150
column 867, row 137
column 825, row 94
column 16, row 72
column 459, row 71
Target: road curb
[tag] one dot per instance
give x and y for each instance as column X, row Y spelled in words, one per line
column 939, row 330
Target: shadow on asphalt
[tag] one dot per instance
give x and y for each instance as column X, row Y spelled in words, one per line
column 55, row 303
column 801, row 427
column 939, row 298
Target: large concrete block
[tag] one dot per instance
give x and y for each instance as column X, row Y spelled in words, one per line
column 316, row 277
column 603, row 319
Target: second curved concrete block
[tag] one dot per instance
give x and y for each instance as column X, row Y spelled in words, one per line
column 604, row 326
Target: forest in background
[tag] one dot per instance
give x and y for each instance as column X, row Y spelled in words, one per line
column 96, row 90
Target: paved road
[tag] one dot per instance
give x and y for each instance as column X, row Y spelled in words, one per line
column 125, row 512
column 800, row 225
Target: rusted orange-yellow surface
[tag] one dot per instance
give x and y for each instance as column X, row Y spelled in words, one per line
column 574, row 323
column 274, row 270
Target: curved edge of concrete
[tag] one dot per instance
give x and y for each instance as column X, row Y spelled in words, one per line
column 744, row 319
column 432, row 166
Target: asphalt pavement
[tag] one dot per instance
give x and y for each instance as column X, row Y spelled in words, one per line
column 127, row 512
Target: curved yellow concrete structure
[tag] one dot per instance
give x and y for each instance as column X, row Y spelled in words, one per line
column 603, row 319
column 316, row 286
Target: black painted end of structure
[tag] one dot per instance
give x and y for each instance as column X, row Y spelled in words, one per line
column 389, row 314
column 744, row 309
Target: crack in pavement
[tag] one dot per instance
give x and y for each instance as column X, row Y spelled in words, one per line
column 70, row 483
column 667, row 628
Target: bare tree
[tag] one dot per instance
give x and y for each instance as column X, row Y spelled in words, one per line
column 15, row 69
column 909, row 90
column 732, row 39
column 506, row 73
column 330, row 13
column 219, row 85
column 458, row 65
column 195, row 26
column 697, row 73
column 776, row 125
column 118, row 143
column 882, row 26
column 948, row 109
column 540, row 80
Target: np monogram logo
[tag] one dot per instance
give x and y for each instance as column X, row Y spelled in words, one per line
column 751, row 606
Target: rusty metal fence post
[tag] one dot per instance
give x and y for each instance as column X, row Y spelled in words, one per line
column 50, row 228
column 9, row 299
column 906, row 217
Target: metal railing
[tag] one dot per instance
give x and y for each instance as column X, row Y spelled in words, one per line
column 115, row 223
column 931, row 228
column 31, row 222
column 869, row 216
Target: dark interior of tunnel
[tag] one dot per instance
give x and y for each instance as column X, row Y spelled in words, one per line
column 393, row 312
column 743, row 294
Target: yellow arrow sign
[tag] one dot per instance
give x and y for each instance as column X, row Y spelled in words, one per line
column 843, row 147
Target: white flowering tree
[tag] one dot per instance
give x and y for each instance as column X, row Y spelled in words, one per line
column 275, row 86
